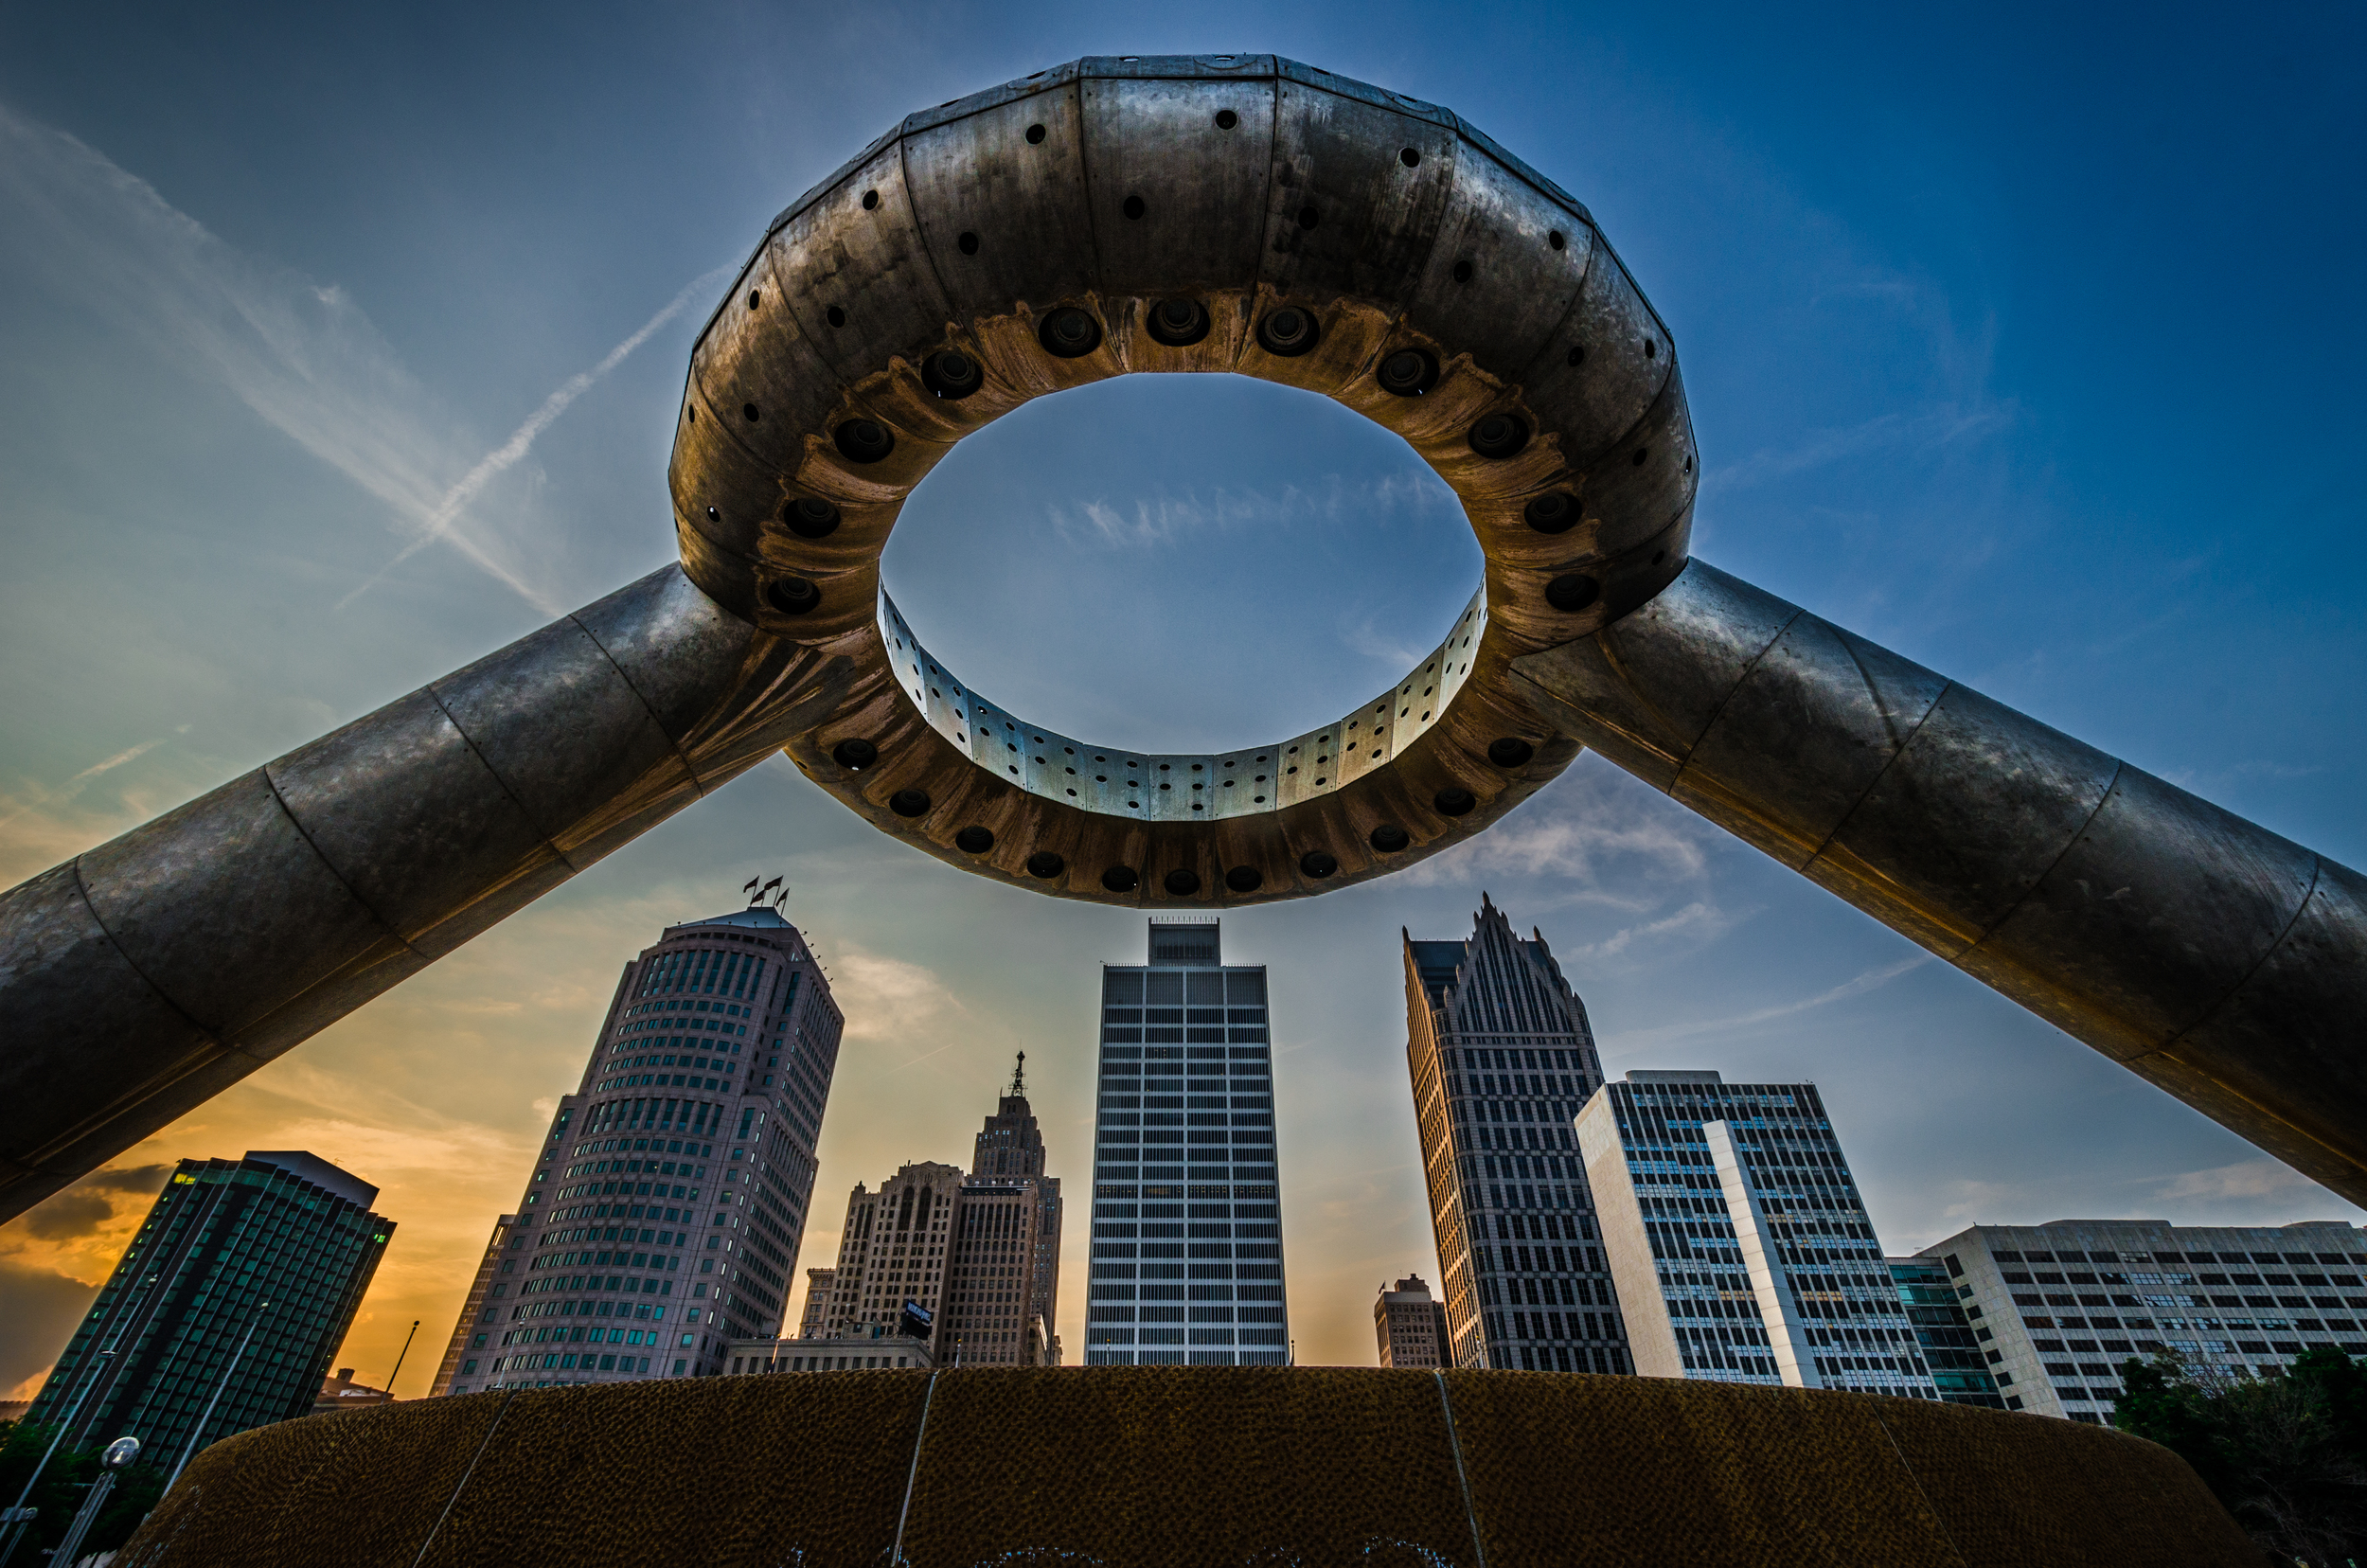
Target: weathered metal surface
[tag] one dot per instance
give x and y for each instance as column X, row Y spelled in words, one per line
column 2222, row 962
column 155, row 971
column 1244, row 186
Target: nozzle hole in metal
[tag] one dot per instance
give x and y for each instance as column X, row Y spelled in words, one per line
column 1456, row 802
column 1407, row 373
column 1245, row 879
column 1500, row 435
column 1069, row 333
column 1133, row 207
column 1389, row 838
column 1554, row 512
column 1035, row 136
column 1510, row 751
column 1178, row 323
column 1288, row 332
column 1180, row 882
column 969, row 242
column 952, row 374
column 835, row 316
column 974, row 840
column 1043, row 865
column 870, row 202
column 1573, row 592
column 810, row 517
column 1121, row 879
column 1318, row 865
column 1227, row 119
column 864, row 440
column 909, row 803
column 854, row 754
column 793, row 596
column 1409, row 157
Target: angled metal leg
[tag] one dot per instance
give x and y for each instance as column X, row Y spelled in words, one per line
column 2214, row 958
column 152, row 973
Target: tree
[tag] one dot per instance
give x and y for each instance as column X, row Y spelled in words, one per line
column 2287, row 1454
column 63, row 1486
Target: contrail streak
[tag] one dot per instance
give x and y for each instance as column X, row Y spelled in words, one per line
column 67, row 790
column 521, row 439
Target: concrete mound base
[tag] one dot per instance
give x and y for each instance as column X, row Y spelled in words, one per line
column 1197, row 1468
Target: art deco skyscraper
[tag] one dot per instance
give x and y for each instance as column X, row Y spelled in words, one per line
column 1502, row 1058
column 661, row 1217
column 977, row 1255
column 1188, row 1234
column 278, row 1246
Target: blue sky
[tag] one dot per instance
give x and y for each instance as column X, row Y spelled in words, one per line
column 341, row 345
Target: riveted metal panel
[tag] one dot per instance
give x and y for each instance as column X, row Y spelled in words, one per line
column 1967, row 817
column 1803, row 737
column 1497, row 285
column 760, row 373
column 1603, row 367
column 1648, row 478
column 1201, row 188
column 227, row 909
column 528, row 711
column 868, row 265
column 409, row 816
column 1338, row 158
column 2159, row 910
column 1003, row 216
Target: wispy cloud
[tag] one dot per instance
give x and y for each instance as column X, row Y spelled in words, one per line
column 1873, row 979
column 302, row 354
column 2262, row 1177
column 1152, row 521
column 1588, row 838
column 1931, row 430
column 73, row 787
column 506, row 456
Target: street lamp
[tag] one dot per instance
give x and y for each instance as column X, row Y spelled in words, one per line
column 119, row 1453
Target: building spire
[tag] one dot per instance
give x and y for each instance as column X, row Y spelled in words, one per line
column 1019, row 1078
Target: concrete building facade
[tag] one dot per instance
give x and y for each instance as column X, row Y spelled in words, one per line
column 1188, row 1217
column 815, row 1320
column 1411, row 1325
column 234, row 1294
column 661, row 1219
column 1741, row 1244
column 872, row 1350
column 2055, row 1308
column 1501, row 1057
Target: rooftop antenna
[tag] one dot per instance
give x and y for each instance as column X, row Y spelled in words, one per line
column 1019, row 1078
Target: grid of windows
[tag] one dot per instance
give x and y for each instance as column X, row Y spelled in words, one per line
column 663, row 1216
column 1501, row 1058
column 1186, row 1223
column 2057, row 1309
column 282, row 1245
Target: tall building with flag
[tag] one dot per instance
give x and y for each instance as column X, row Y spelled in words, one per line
column 661, row 1217
column 1187, row 1231
column 1502, row 1058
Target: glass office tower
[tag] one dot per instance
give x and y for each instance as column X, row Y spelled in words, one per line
column 1187, row 1231
column 280, row 1246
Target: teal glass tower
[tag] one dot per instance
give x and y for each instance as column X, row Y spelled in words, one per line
column 234, row 1294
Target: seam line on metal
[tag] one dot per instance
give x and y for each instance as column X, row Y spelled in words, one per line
column 575, row 619
column 458, row 1487
column 533, row 818
column 1455, row 1445
column 2070, row 844
column 912, row 1477
column 1684, row 763
column 1849, row 646
column 2316, row 874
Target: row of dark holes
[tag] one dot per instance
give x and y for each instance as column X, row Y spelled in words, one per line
column 1044, row 865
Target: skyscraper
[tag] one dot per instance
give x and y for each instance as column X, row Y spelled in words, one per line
column 278, row 1245
column 1411, row 1325
column 1741, row 1246
column 2055, row 1308
column 1188, row 1234
column 662, row 1216
column 1502, row 1058
column 1004, row 1285
column 977, row 1255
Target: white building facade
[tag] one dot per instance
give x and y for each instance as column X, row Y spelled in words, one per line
column 1739, row 1242
column 2058, row 1307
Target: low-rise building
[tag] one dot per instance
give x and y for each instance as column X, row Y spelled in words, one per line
column 851, row 1352
column 342, row 1393
column 2055, row 1308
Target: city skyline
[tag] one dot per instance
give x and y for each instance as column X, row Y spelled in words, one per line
column 369, row 290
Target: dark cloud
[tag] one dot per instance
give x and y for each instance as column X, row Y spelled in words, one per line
column 41, row 1309
column 69, row 1216
column 147, row 1179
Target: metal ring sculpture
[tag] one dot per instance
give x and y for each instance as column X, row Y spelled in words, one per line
column 1230, row 213
column 1227, row 213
